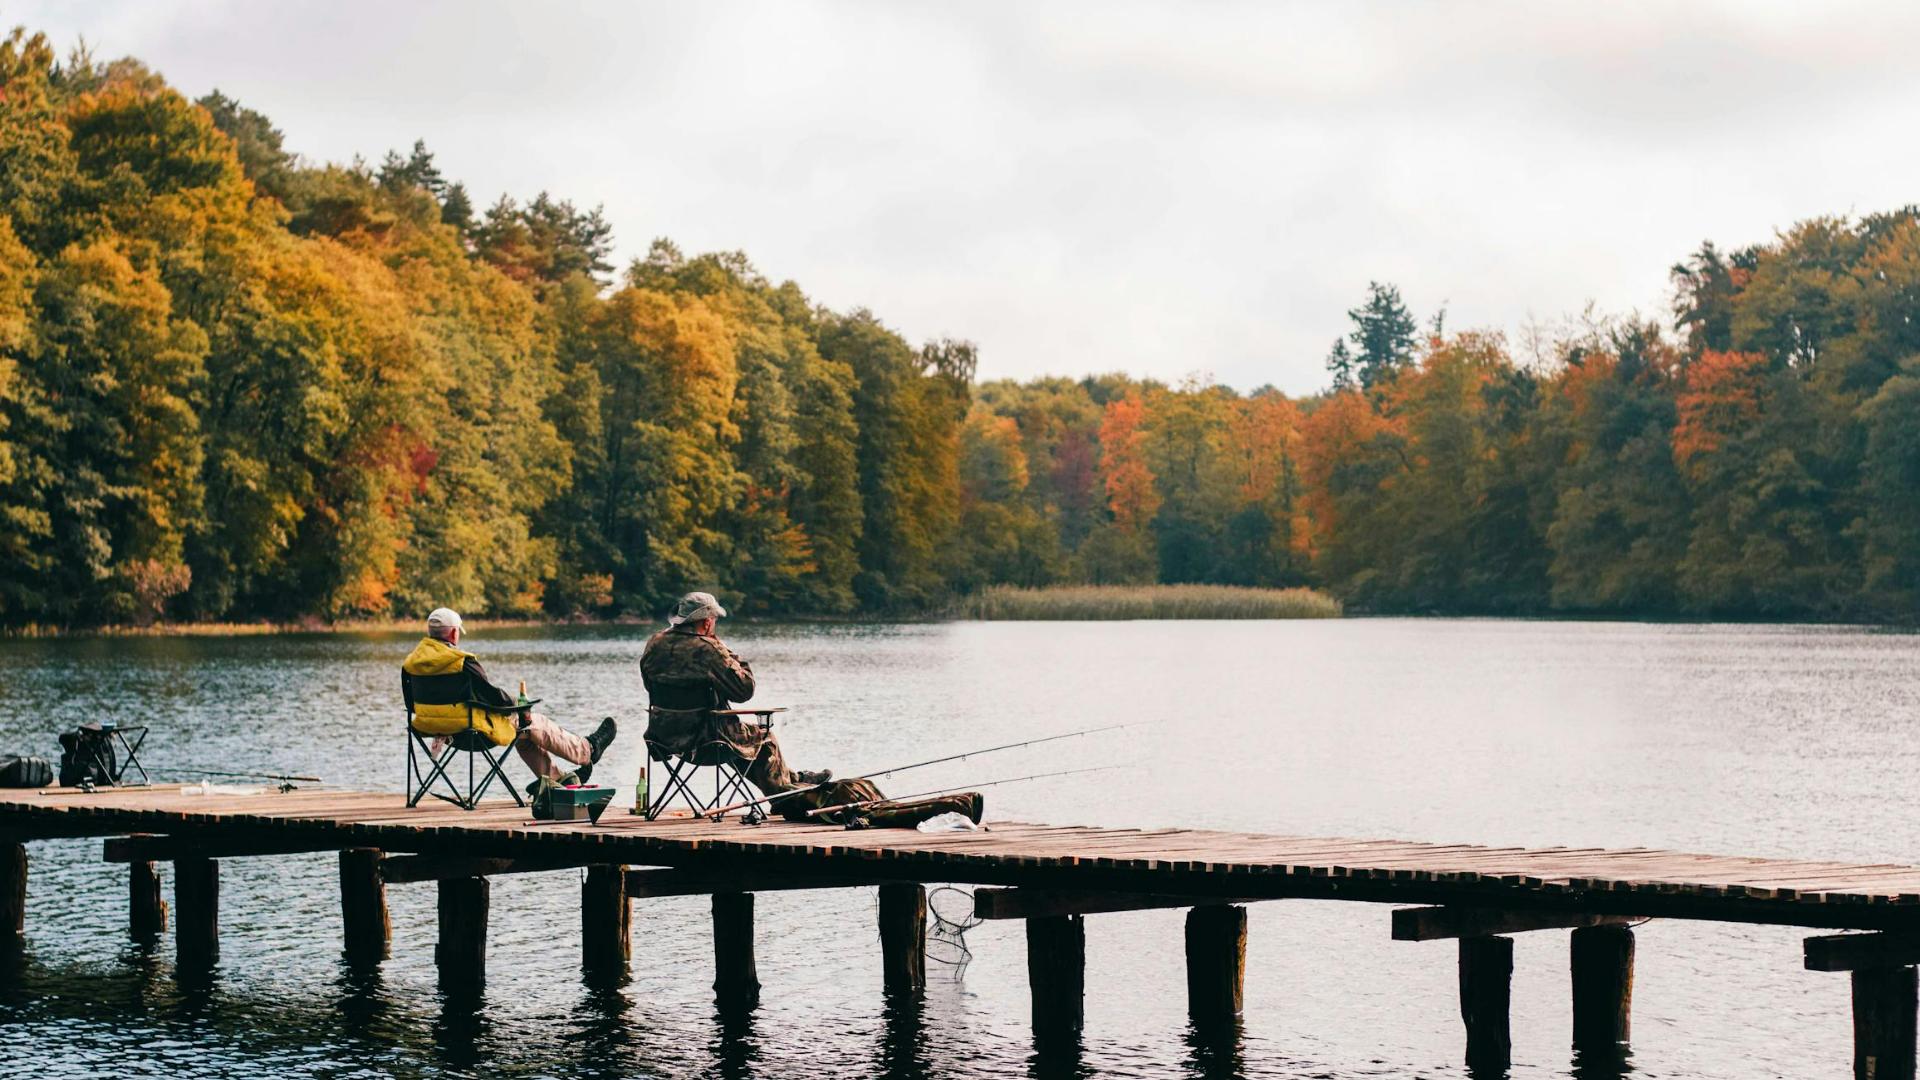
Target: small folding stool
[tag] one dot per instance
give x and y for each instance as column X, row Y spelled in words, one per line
column 485, row 760
column 89, row 751
column 681, row 771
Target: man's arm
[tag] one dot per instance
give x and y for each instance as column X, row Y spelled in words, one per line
column 730, row 673
column 483, row 689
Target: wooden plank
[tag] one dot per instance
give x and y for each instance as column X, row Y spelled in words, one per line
column 409, row 869
column 1861, row 952
column 1181, row 864
column 147, row 848
column 1440, row 923
column 1029, row 903
column 669, row 882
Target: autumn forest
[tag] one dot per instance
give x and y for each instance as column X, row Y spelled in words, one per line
column 238, row 385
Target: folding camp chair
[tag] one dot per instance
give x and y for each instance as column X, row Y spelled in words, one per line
column 485, row 760
column 680, row 771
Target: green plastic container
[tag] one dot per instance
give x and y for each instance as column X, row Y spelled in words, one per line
column 583, row 803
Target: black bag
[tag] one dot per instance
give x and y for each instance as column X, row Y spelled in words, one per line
column 16, row 771
column 87, row 757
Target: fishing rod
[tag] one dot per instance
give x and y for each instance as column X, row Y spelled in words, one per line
column 285, row 783
column 241, row 775
column 870, row 803
column 765, row 800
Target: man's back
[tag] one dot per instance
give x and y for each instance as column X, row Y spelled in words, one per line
column 439, row 680
column 683, row 669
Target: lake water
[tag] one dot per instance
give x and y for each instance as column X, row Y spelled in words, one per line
column 1740, row 739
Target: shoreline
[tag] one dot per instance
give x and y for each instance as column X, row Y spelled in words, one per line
column 246, row 630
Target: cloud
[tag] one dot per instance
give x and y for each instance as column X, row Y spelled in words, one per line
column 1160, row 188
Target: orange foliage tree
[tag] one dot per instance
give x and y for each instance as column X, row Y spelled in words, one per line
column 1131, row 493
column 1720, row 398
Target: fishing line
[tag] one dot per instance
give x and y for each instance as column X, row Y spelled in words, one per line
column 868, row 804
column 717, row 814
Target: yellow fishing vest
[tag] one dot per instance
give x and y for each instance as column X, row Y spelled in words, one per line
column 434, row 678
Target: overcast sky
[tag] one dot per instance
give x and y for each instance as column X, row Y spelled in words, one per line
column 1155, row 188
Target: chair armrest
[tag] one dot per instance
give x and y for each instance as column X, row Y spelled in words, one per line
column 521, row 707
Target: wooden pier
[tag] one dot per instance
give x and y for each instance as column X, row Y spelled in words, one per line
column 1052, row 877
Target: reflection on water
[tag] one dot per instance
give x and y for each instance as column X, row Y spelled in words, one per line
column 1755, row 740
column 1213, row 1049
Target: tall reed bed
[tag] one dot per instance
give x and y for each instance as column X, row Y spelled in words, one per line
column 1071, row 602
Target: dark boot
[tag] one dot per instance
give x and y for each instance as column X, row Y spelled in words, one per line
column 808, row 778
column 601, row 738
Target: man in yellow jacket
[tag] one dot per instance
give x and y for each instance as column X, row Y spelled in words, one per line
column 441, row 679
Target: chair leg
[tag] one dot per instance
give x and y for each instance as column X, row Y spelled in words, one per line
column 437, row 771
column 736, row 790
column 677, row 783
column 496, row 764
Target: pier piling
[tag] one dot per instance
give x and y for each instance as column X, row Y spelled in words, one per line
column 462, row 948
column 606, row 921
column 13, row 891
column 1057, row 974
column 1486, row 986
column 1884, row 1003
column 146, row 903
column 1602, row 963
column 1216, row 962
column 196, row 910
column 903, row 938
column 736, row 980
column 365, row 924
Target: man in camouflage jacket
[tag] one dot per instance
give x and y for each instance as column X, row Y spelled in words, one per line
column 689, row 673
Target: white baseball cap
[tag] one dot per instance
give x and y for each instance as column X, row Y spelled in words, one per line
column 442, row 618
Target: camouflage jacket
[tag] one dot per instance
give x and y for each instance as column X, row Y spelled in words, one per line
column 685, row 675
column 683, row 670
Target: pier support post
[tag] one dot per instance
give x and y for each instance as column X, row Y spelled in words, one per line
column 365, row 924
column 1057, row 973
column 146, row 903
column 903, row 938
column 462, row 948
column 736, row 980
column 196, row 910
column 1486, row 986
column 1216, row 962
column 13, row 892
column 1884, row 1002
column 606, row 922
column 1602, row 962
